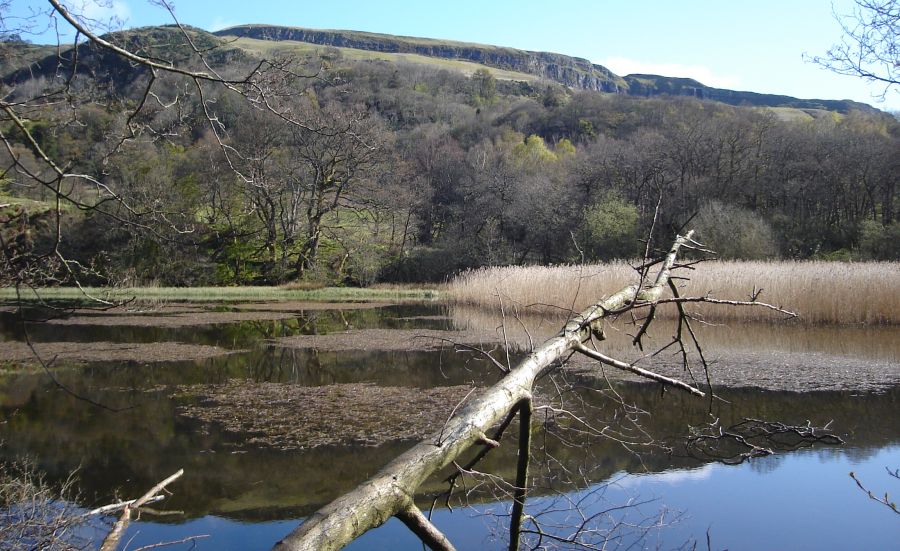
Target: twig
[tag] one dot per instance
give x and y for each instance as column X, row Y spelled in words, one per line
column 112, row 539
column 886, row 500
column 176, row 542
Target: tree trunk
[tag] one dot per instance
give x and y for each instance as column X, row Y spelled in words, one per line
column 391, row 491
column 310, row 250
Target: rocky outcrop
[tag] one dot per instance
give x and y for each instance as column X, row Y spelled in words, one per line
column 655, row 85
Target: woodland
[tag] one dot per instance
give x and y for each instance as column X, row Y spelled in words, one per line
column 403, row 172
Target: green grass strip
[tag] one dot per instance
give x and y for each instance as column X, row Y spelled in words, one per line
column 214, row 294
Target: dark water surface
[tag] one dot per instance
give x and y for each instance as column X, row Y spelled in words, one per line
column 247, row 497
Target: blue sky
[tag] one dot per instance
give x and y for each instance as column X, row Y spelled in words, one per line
column 757, row 46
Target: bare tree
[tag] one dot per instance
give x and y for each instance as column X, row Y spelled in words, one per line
column 330, row 161
column 169, row 85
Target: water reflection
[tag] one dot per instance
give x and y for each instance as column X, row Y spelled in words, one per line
column 872, row 342
column 126, row 452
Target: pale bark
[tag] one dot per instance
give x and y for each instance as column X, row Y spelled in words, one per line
column 112, row 539
column 391, row 490
column 413, row 518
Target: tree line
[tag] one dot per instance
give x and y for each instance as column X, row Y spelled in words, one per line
column 403, row 172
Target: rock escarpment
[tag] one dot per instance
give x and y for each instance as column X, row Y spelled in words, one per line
column 574, row 72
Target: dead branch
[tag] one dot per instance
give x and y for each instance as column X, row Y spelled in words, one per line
column 189, row 539
column 590, row 353
column 753, row 438
column 710, row 300
column 391, row 490
column 413, row 518
column 113, row 507
column 112, row 539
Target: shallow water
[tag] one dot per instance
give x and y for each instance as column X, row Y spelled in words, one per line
column 247, row 497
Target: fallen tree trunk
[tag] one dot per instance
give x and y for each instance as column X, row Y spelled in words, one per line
column 391, row 491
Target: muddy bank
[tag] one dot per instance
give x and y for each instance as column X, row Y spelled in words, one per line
column 387, row 340
column 767, row 370
column 291, row 417
column 19, row 352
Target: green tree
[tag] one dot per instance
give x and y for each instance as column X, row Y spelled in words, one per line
column 610, row 229
column 879, row 242
column 485, row 87
column 533, row 153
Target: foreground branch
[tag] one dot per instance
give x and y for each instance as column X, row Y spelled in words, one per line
column 112, row 539
column 886, row 500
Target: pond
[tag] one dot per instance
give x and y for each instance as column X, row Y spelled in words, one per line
column 273, row 410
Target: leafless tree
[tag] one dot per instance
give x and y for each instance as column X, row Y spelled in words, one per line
column 167, row 84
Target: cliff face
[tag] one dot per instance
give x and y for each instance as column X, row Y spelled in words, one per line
column 571, row 71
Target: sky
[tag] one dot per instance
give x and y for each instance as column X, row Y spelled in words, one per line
column 742, row 45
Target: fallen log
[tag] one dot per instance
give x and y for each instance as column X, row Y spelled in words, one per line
column 391, row 491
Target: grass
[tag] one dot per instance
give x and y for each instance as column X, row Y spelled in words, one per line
column 215, row 294
column 793, row 114
column 820, row 292
column 467, row 68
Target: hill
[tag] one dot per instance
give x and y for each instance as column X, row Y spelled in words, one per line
column 570, row 71
column 403, row 159
column 573, row 72
column 20, row 61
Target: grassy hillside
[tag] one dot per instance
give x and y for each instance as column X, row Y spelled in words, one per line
column 571, row 71
column 288, row 47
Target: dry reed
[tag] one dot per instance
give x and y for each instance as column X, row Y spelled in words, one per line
column 821, row 292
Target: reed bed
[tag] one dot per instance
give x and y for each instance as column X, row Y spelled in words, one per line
column 820, row 292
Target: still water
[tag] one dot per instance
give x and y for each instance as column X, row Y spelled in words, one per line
column 248, row 496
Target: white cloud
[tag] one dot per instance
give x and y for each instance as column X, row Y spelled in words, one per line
column 219, row 23
column 673, row 477
column 624, row 66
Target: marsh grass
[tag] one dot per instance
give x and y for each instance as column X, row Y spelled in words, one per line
column 224, row 294
column 819, row 291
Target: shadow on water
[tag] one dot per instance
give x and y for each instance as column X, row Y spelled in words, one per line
column 124, row 453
